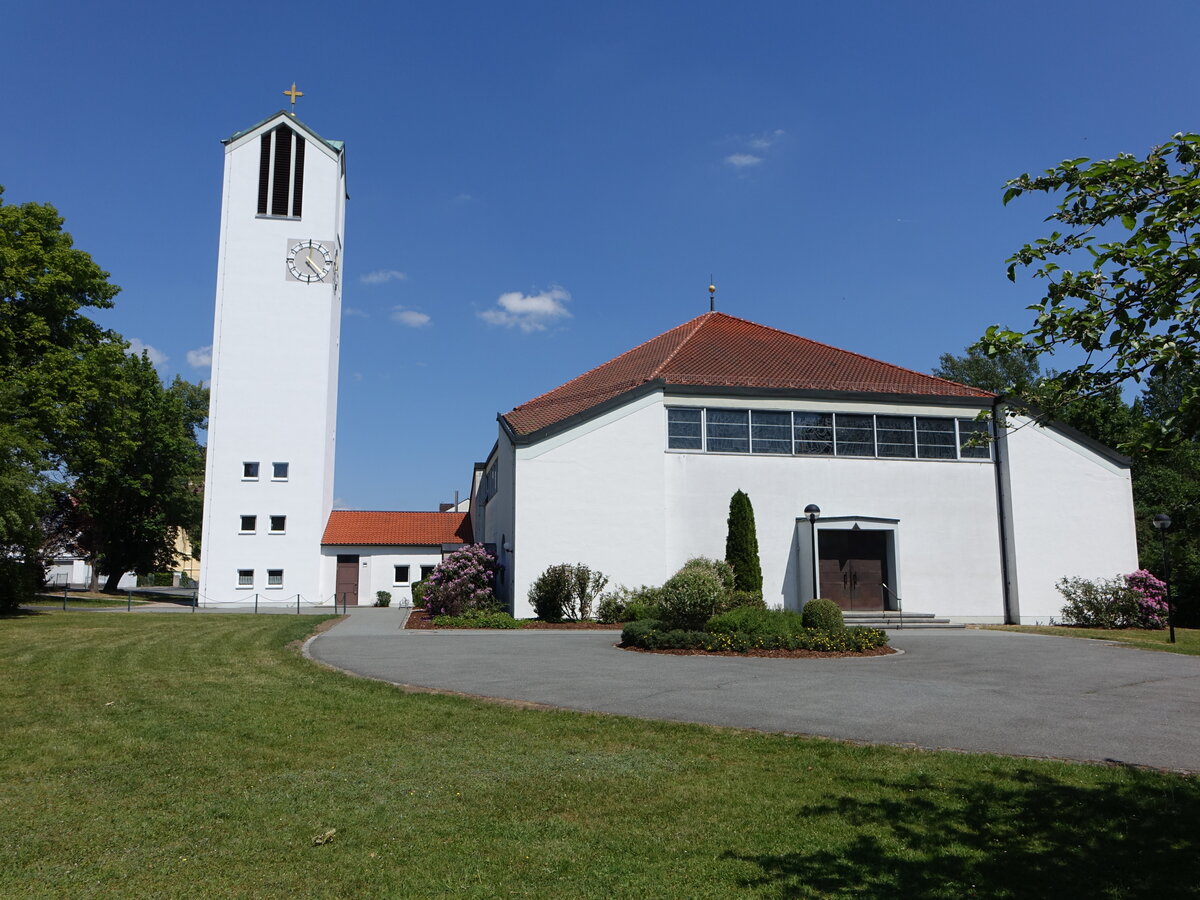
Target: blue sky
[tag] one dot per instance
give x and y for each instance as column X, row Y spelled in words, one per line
column 837, row 168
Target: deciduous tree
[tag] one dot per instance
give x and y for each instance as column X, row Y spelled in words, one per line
column 1133, row 304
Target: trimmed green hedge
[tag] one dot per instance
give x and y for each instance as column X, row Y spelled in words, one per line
column 477, row 620
column 649, row 634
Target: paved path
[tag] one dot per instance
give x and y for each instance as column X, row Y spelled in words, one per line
column 1028, row 695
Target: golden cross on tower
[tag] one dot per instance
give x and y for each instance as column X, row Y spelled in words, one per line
column 293, row 93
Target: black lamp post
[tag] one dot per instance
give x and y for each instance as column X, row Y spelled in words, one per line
column 813, row 512
column 1162, row 522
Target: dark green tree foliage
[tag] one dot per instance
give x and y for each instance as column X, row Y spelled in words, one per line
column 1133, row 305
column 741, row 545
column 44, row 337
column 1012, row 374
column 137, row 469
column 90, row 440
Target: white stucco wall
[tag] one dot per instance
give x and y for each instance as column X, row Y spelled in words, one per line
column 1072, row 516
column 609, row 494
column 377, row 569
column 274, row 384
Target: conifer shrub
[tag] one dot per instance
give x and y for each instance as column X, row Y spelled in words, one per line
column 690, row 598
column 823, row 615
column 741, row 544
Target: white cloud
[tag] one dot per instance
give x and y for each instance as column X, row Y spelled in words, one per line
column 529, row 312
column 137, row 347
column 382, row 276
column 355, row 311
column 341, row 503
column 463, row 198
column 200, row 358
column 743, row 160
column 409, row 317
column 766, row 139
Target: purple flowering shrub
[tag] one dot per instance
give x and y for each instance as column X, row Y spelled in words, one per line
column 1151, row 596
column 1136, row 600
column 462, row 582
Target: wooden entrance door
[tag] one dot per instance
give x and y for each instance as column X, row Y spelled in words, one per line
column 346, row 583
column 853, row 567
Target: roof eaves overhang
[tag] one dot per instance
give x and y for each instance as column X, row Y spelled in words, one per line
column 540, row 434
column 736, row 391
column 704, row 390
column 1040, row 419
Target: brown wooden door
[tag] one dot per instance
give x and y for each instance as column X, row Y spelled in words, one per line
column 346, row 583
column 853, row 568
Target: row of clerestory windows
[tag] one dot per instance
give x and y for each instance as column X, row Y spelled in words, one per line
column 794, row 433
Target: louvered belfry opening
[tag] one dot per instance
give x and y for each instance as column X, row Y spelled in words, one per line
column 281, row 173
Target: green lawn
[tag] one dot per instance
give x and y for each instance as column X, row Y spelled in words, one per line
column 1187, row 640
column 83, row 600
column 197, row 756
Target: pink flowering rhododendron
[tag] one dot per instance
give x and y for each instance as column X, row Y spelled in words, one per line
column 1151, row 594
column 462, row 582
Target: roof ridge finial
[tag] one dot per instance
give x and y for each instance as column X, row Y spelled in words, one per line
column 712, row 295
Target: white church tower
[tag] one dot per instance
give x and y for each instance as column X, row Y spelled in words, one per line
column 269, row 475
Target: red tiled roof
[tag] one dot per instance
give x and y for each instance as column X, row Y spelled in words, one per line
column 351, row 526
column 719, row 350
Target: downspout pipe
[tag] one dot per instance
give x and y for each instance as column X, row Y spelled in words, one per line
column 1008, row 562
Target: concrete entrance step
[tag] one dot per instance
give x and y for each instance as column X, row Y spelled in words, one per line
column 891, row 619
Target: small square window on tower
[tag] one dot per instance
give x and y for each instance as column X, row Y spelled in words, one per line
column 274, row 578
column 245, row 578
column 278, row 524
column 249, row 524
column 250, row 470
column 279, row 471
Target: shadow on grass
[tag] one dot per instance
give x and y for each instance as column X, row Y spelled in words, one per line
column 1021, row 835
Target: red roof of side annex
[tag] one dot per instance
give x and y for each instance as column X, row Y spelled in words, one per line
column 375, row 528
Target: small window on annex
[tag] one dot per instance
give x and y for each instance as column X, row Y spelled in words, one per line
column 249, row 470
column 274, row 577
column 279, row 471
column 278, row 524
column 426, row 571
column 245, row 577
column 249, row 523
column 683, row 429
column 401, row 575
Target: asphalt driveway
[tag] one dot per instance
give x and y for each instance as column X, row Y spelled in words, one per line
column 1001, row 692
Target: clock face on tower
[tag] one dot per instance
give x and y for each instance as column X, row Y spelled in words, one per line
column 309, row 261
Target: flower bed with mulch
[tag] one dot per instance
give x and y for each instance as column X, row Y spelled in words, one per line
column 420, row 618
column 771, row 654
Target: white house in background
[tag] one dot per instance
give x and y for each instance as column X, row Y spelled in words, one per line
column 269, row 473
column 629, row 468
column 363, row 553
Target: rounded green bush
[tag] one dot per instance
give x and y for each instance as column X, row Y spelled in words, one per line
column 822, row 614
column 690, row 598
